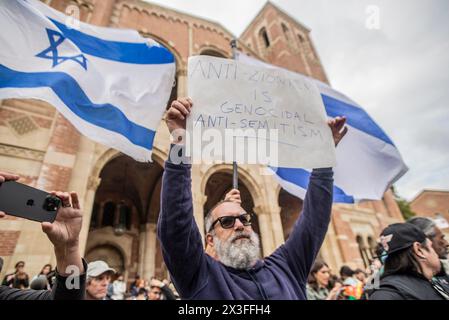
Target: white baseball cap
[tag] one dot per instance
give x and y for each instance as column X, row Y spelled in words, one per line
column 96, row 268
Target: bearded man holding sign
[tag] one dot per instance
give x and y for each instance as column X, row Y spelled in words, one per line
column 237, row 272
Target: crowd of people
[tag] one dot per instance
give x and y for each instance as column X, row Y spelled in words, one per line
column 411, row 261
column 411, row 264
column 322, row 284
column 19, row 279
column 103, row 283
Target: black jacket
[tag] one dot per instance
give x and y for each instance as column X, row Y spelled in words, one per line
column 169, row 295
column 405, row 287
column 58, row 292
column 443, row 277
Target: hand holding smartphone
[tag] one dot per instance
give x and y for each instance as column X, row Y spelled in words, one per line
column 23, row 201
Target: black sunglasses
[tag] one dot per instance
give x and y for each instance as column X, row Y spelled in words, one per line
column 228, row 222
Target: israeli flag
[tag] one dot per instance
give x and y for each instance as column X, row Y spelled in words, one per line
column 112, row 84
column 368, row 162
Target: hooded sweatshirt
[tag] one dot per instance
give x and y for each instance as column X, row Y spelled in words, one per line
column 282, row 275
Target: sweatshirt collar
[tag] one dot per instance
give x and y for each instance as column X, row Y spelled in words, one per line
column 259, row 264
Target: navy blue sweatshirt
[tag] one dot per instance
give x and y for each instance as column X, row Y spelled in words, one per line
column 282, row 275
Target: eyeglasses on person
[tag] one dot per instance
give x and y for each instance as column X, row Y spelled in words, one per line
column 227, row 222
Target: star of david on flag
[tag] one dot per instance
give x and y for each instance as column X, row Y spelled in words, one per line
column 56, row 39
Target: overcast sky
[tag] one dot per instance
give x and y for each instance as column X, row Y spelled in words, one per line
column 399, row 72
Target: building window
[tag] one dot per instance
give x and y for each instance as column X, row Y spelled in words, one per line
column 94, row 218
column 264, row 37
column 125, row 217
column 301, row 40
column 286, row 31
column 364, row 251
column 372, row 247
column 108, row 215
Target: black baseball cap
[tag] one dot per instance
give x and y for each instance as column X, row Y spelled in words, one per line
column 399, row 236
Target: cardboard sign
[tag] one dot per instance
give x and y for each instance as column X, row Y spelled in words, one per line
column 263, row 110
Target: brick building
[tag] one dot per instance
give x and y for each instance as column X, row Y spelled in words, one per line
column 120, row 197
column 432, row 204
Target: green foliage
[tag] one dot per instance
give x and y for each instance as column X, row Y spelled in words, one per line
column 404, row 206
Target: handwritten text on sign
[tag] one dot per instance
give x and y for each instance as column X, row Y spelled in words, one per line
column 231, row 96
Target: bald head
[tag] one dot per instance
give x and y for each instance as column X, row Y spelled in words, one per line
column 227, row 208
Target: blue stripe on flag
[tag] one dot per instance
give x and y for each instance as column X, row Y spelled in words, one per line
column 355, row 117
column 67, row 89
column 127, row 52
column 300, row 177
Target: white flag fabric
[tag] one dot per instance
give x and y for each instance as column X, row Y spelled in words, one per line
column 112, row 84
column 368, row 162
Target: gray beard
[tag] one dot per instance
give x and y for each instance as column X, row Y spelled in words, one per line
column 241, row 255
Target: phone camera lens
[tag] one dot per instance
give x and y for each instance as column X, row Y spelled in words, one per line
column 51, row 203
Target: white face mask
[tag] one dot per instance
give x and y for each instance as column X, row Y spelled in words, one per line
column 239, row 255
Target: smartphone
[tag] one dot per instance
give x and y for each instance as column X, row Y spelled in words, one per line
column 20, row 200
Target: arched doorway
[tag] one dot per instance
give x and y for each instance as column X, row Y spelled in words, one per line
column 291, row 207
column 213, row 52
column 218, row 185
column 109, row 254
column 367, row 248
column 125, row 213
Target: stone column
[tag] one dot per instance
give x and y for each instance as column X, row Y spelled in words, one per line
column 199, row 199
column 89, row 198
column 150, row 251
column 142, row 248
column 181, row 78
column 84, row 185
column 271, row 202
column 266, row 230
column 82, row 168
column 274, row 212
column 271, row 206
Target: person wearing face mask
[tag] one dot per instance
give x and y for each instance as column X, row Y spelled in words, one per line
column 118, row 288
column 410, row 266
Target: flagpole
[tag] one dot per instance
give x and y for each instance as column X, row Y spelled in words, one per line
column 235, row 173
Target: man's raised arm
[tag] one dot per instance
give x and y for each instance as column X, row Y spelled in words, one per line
column 180, row 238
column 308, row 234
